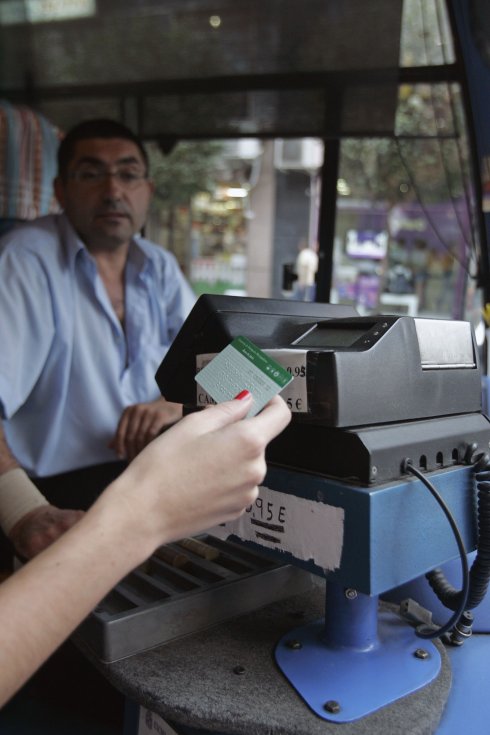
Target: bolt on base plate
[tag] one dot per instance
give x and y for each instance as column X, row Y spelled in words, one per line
column 357, row 681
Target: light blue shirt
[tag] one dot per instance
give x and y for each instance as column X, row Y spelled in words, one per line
column 67, row 368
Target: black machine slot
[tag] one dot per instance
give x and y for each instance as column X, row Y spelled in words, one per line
column 374, row 386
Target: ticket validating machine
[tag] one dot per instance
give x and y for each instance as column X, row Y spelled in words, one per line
column 371, row 485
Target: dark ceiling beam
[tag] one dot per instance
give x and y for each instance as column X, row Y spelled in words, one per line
column 245, row 83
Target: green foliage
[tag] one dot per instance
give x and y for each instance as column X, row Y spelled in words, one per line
column 429, row 156
column 188, row 169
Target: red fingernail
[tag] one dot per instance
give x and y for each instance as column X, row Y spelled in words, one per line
column 242, row 395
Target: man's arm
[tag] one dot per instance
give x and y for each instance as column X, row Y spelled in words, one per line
column 202, row 472
column 26, row 517
column 7, row 459
column 28, row 328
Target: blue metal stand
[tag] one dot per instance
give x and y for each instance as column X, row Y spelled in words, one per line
column 356, row 660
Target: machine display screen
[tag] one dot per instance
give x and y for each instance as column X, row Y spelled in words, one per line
column 332, row 336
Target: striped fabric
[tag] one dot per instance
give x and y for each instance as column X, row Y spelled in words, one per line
column 28, row 146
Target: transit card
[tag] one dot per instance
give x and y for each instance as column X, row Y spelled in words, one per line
column 243, row 366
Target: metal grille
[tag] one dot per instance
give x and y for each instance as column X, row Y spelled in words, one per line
column 182, row 588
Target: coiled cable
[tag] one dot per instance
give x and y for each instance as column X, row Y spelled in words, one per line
column 476, row 580
column 423, row 631
column 479, row 574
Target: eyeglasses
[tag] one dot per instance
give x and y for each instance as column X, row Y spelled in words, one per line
column 128, row 178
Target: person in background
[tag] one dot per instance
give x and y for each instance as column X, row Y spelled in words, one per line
column 201, row 472
column 306, row 268
column 89, row 308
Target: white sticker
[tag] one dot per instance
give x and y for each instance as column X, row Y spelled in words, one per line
column 295, row 393
column 152, row 724
column 202, row 397
column 308, row 529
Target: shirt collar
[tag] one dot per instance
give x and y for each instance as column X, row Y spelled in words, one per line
column 71, row 242
column 140, row 254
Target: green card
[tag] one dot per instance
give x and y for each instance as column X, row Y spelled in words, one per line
column 242, row 366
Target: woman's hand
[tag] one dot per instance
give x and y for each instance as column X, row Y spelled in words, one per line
column 201, row 472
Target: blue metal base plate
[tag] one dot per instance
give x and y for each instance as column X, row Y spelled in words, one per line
column 356, row 682
column 468, row 707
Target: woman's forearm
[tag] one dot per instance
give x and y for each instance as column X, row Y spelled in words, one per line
column 203, row 471
column 43, row 602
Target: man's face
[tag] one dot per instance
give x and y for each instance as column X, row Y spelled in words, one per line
column 106, row 193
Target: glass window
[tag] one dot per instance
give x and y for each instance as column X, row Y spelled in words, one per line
column 238, row 213
column 405, row 240
column 242, row 215
column 426, row 38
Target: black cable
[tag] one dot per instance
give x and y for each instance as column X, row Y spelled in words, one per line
column 407, row 466
column 480, row 569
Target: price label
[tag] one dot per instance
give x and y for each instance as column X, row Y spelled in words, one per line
column 202, row 396
column 308, row 529
column 295, row 393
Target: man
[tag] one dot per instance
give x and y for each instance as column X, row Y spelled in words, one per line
column 89, row 308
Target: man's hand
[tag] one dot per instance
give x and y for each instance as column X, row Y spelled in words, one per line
column 141, row 423
column 40, row 527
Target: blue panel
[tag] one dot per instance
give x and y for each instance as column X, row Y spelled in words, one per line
column 468, row 707
column 410, row 532
column 387, row 527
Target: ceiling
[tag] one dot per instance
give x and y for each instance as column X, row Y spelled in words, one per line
column 176, row 69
